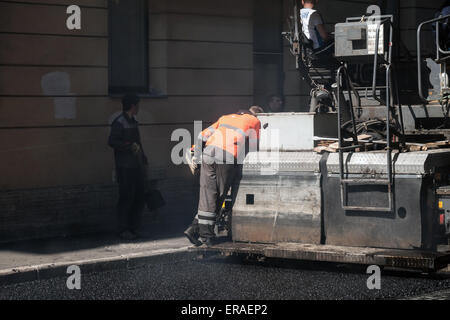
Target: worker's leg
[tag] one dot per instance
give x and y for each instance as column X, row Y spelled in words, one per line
column 126, row 197
column 215, row 181
column 139, row 200
column 207, row 204
column 235, row 183
column 225, row 174
column 192, row 232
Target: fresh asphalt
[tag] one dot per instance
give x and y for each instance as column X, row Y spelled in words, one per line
column 234, row 278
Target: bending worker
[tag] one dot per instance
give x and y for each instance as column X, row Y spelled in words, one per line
column 226, row 144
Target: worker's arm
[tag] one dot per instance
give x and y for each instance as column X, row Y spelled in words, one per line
column 323, row 32
column 202, row 138
column 253, row 137
column 144, row 157
column 317, row 21
column 208, row 132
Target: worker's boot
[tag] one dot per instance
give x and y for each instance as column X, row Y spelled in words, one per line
column 208, row 241
column 192, row 234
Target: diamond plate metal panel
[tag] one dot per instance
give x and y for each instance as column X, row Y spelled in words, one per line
column 274, row 162
column 403, row 163
column 368, row 163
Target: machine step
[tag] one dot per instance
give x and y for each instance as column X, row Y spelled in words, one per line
column 396, row 258
column 365, row 181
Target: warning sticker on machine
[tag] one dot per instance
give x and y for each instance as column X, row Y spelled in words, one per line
column 371, row 36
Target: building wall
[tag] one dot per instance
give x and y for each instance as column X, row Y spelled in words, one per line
column 412, row 13
column 57, row 170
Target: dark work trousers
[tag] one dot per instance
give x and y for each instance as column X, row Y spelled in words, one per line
column 215, row 181
column 131, row 198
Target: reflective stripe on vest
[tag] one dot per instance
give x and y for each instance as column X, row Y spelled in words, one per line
column 233, row 128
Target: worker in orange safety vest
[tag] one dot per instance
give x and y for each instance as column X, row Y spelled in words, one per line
column 220, row 150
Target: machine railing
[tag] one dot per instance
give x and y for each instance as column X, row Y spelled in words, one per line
column 439, row 51
column 344, row 181
column 375, row 58
column 388, row 182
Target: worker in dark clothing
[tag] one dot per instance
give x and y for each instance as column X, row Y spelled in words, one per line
column 275, row 103
column 131, row 164
column 226, row 143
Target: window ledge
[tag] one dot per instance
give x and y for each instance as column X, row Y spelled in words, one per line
column 140, row 95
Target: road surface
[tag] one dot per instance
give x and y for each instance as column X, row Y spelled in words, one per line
column 233, row 278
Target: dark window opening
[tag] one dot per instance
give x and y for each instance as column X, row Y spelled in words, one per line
column 250, row 199
column 267, row 50
column 128, row 46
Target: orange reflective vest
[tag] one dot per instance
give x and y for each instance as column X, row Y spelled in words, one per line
column 230, row 132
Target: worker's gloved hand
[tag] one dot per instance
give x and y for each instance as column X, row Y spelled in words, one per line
column 192, row 161
column 135, row 148
column 194, row 168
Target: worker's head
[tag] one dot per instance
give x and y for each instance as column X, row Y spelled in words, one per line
column 309, row 3
column 130, row 103
column 275, row 103
column 254, row 110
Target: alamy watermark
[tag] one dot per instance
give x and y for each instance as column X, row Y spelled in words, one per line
column 73, row 22
column 374, row 281
column 232, row 140
column 74, row 280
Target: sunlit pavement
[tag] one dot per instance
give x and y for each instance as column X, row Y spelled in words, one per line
column 33, row 260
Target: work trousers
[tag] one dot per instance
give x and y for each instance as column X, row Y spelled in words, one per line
column 215, row 181
column 131, row 198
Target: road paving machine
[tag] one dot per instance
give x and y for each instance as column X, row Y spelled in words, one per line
column 361, row 178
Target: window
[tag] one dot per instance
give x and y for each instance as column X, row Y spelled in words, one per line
column 267, row 50
column 128, row 46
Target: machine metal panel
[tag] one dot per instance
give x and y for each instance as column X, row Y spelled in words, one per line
column 373, row 163
column 293, row 198
column 295, row 131
column 269, row 163
column 357, row 39
column 408, row 226
column 278, row 208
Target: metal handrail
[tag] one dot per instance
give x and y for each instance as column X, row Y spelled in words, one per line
column 375, row 59
column 419, row 51
column 389, row 94
column 388, row 133
column 389, row 181
column 343, row 70
column 400, row 108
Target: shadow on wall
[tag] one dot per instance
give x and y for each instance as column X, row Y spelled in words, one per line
column 86, row 212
